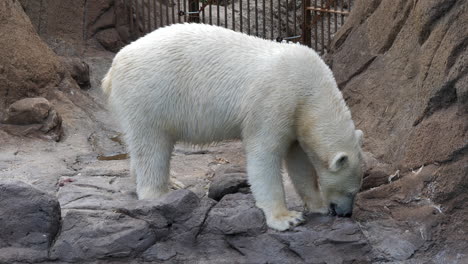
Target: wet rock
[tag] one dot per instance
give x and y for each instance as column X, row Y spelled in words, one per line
column 29, row 221
column 96, row 235
column 79, row 71
column 235, row 214
column 227, row 184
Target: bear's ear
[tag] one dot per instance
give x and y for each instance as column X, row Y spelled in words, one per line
column 338, row 162
column 359, row 136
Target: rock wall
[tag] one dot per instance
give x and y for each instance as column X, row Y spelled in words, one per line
column 402, row 66
column 69, row 26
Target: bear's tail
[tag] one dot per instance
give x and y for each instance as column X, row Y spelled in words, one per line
column 106, row 84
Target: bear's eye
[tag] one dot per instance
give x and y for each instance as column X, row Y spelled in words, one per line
column 342, row 161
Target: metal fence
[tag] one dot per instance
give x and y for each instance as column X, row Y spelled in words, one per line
column 312, row 22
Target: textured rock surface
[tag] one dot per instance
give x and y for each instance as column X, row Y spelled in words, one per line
column 78, row 69
column 227, row 183
column 402, row 66
column 29, row 221
column 28, row 67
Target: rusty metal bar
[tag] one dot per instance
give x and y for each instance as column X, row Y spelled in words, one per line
column 194, row 14
column 342, row 10
column 335, row 14
column 318, row 9
column 316, row 27
column 161, row 17
column 217, row 10
column 132, row 29
column 233, row 16
column 167, row 13
column 271, row 20
column 295, row 18
column 256, row 18
column 279, row 19
column 329, row 29
column 155, row 14
column 264, row 18
column 240, row 15
column 202, row 11
column 248, row 17
column 210, row 14
column 322, row 26
column 173, row 13
column 225, row 14
column 287, row 18
column 306, row 17
column 149, row 17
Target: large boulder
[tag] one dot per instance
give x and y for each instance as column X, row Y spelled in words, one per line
column 28, row 67
column 29, row 221
column 403, row 71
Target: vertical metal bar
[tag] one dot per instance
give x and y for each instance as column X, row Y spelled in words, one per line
column 256, row 18
column 264, row 18
column 185, row 11
column 211, row 14
column 149, row 17
column 155, row 14
column 132, row 29
column 322, row 20
column 240, row 15
column 271, row 20
column 233, row 17
column 306, row 17
column 225, row 14
column 349, row 6
column 217, row 10
column 248, row 17
column 194, row 6
column 178, row 11
column 137, row 20
column 142, row 16
column 316, row 26
column 329, row 28
column 173, row 13
column 167, row 12
column 287, row 18
column 161, row 17
column 342, row 16
column 203, row 13
column 335, row 3
column 295, row 18
column 279, row 18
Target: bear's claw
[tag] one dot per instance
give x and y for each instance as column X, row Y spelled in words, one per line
column 285, row 220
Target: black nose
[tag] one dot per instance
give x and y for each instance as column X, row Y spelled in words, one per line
column 332, row 209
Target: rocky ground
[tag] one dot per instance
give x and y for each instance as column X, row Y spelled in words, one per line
column 66, row 194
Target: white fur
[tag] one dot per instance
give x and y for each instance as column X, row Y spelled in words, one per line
column 201, row 84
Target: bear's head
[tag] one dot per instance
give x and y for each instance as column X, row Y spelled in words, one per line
column 340, row 176
column 338, row 165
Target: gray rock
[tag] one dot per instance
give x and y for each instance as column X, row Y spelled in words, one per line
column 92, row 235
column 326, row 239
column 79, row 70
column 235, row 214
column 227, row 184
column 28, row 111
column 29, row 221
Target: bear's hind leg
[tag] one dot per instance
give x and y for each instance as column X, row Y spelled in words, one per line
column 150, row 155
column 264, row 171
column 304, row 179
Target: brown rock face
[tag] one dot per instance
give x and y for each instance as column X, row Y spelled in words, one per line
column 28, row 67
column 402, row 66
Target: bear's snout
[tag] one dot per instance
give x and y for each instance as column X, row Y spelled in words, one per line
column 342, row 209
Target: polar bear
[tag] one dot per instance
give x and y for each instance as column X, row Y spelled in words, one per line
column 201, row 84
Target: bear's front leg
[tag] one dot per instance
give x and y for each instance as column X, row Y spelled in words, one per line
column 304, row 179
column 264, row 171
